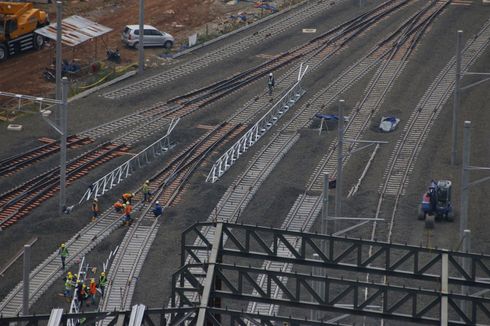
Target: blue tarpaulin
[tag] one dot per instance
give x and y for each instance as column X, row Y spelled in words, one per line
column 327, row 116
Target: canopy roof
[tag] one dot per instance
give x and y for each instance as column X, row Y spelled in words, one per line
column 75, row 30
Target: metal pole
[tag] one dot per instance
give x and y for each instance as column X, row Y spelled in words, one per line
column 444, row 289
column 324, row 207
column 463, row 224
column 25, row 286
column 340, row 153
column 466, row 265
column 456, row 100
column 59, row 14
column 63, row 128
column 141, row 54
column 315, row 286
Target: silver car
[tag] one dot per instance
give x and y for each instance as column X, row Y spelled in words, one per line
column 151, row 37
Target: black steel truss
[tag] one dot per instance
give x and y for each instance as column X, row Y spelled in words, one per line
column 216, row 281
column 387, row 259
column 326, row 293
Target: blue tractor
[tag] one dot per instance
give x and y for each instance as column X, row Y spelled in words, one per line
column 436, row 203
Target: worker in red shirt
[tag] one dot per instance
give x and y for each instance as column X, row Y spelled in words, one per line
column 92, row 290
column 127, row 213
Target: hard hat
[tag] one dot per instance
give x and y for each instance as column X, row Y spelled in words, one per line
column 69, row 273
column 270, row 74
column 157, row 202
column 132, row 194
column 79, row 281
column 103, row 273
column 62, row 244
column 127, row 203
column 84, row 286
column 96, row 199
column 92, row 280
column 147, row 181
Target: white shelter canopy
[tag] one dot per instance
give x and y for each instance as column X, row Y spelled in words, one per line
column 75, row 30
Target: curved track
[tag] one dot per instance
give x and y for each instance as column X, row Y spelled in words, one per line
column 133, row 250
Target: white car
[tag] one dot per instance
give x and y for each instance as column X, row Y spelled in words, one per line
column 151, row 37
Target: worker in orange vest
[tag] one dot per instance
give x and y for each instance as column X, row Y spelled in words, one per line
column 118, row 206
column 127, row 213
column 92, row 290
column 127, row 197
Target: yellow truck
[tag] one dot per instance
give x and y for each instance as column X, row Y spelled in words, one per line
column 18, row 22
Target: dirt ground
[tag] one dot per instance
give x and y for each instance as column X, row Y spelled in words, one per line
column 181, row 18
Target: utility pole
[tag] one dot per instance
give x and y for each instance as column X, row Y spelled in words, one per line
column 340, row 154
column 456, row 101
column 63, row 134
column 141, row 53
column 59, row 14
column 463, row 223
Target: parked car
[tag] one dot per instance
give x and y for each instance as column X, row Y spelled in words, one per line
column 151, row 37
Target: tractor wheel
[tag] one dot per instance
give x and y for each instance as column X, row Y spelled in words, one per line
column 38, row 41
column 429, row 221
column 421, row 214
column 3, row 53
column 450, row 216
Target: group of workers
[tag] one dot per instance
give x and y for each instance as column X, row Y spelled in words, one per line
column 124, row 205
column 84, row 294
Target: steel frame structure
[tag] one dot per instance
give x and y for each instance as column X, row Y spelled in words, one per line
column 436, row 303
column 119, row 174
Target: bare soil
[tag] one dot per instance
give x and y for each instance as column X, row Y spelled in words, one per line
column 181, row 18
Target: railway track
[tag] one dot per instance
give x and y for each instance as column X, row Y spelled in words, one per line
column 9, row 166
column 138, row 240
column 241, row 192
column 46, row 273
column 19, row 201
column 151, row 119
column 293, row 18
column 395, row 59
column 402, row 160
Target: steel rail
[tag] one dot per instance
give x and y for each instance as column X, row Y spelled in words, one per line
column 300, row 222
column 171, row 182
column 146, row 117
column 24, row 202
column 241, row 197
column 361, row 117
column 18, row 162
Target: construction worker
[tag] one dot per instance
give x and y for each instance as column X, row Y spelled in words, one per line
column 68, row 286
column 158, row 209
column 146, row 191
column 426, row 207
column 95, row 209
column 127, row 213
column 102, row 283
column 63, row 252
column 127, row 197
column 92, row 290
column 79, row 290
column 82, row 294
column 119, row 206
column 271, row 83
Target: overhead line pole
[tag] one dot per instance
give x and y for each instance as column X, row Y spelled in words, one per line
column 141, row 54
column 340, row 154
column 59, row 14
column 456, row 101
